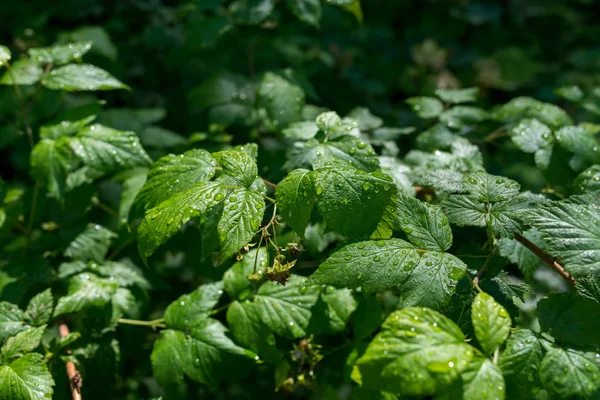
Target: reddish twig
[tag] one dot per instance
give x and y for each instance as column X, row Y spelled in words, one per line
column 269, row 183
column 547, row 259
column 72, row 373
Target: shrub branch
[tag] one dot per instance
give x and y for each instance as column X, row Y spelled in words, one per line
column 72, row 373
column 546, row 258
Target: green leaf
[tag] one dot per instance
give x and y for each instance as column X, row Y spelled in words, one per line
column 238, row 165
column 11, row 320
column 367, row 317
column 308, row 11
column 125, row 274
column 571, row 238
column 332, row 311
column 542, row 157
column 242, row 214
column 108, row 150
column 351, row 6
column 519, row 254
column 23, row 342
column 374, row 265
column 4, row 54
column 418, row 352
column 527, row 107
column 589, row 287
column 85, row 290
column 169, row 357
column 247, row 329
column 60, row 54
column 225, row 90
column 26, row 378
column 39, row 309
column 204, row 354
column 513, row 288
column 334, row 127
column 582, row 142
column 81, row 77
column 520, row 363
column 345, row 148
column 98, row 36
column 588, row 180
column 212, row 352
column 570, row 373
column 295, row 196
column 282, row 99
column 172, row 174
column 571, row 93
column 235, row 279
column 91, row 244
column 432, row 281
column 367, row 121
column 286, row 310
column 530, row 135
column 425, row 224
column 49, row 162
column 457, row 96
column 22, row 72
column 65, row 128
column 164, row 220
column 426, row 107
column 301, row 130
column 490, row 188
column 251, row 12
column 190, row 309
column 460, row 116
column 507, row 216
column 133, row 181
column 491, row 323
column 351, row 201
column 482, row 378
column 570, row 319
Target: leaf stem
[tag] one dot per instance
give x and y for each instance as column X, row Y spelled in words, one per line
column 72, row 373
column 36, row 193
column 157, row 323
column 550, row 190
column 546, row 258
column 270, row 199
column 475, row 285
column 218, row 310
column 257, row 251
column 499, row 132
column 106, row 208
column 475, row 281
column 269, row 183
column 496, row 356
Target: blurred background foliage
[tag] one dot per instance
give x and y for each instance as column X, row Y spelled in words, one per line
column 198, row 69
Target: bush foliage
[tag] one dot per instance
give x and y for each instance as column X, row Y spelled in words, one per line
column 302, row 198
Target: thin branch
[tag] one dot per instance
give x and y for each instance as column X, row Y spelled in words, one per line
column 501, row 131
column 36, row 193
column 121, row 248
column 72, row 373
column 157, row 323
column 475, row 282
column 269, row 183
column 547, row 259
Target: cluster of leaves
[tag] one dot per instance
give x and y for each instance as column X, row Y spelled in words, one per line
column 281, row 247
